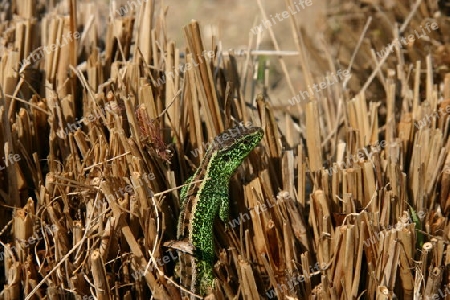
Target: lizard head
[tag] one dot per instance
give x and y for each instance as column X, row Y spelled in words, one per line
column 233, row 146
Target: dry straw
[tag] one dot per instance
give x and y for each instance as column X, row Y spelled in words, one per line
column 376, row 228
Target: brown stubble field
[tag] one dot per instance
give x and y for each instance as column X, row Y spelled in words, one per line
column 106, row 111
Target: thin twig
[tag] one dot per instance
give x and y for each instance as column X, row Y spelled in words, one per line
column 29, row 103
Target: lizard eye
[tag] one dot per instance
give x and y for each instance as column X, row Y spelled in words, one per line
column 226, row 157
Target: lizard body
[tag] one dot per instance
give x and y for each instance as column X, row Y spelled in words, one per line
column 205, row 196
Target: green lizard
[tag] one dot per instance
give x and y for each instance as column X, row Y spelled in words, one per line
column 205, row 196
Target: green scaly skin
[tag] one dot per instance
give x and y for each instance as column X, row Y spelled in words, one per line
column 210, row 198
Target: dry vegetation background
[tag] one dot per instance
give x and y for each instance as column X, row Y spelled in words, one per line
column 85, row 209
